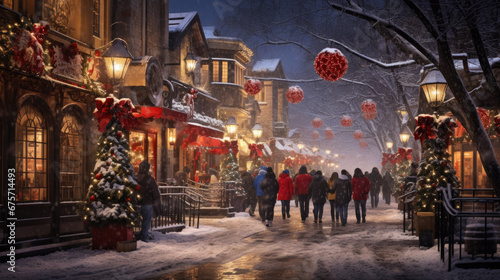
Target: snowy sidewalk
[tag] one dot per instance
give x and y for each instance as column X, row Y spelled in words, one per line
column 243, row 248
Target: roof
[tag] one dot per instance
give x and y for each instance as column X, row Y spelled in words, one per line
column 179, row 25
column 266, row 65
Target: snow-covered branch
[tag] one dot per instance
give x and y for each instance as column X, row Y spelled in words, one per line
column 278, row 43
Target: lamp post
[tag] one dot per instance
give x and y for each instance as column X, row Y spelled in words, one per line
column 404, row 136
column 389, row 145
column 300, row 145
column 231, row 126
column 434, row 86
column 191, row 62
column 402, row 113
column 257, row 131
column 117, row 59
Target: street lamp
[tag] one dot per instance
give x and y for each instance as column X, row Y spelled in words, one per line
column 191, row 62
column 231, row 126
column 314, row 149
column 389, row 145
column 434, row 86
column 117, row 59
column 257, row 131
column 402, row 112
column 327, row 152
column 300, row 145
column 404, row 136
column 336, row 155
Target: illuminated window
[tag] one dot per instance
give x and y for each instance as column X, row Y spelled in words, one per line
column 468, row 170
column 280, row 105
column 71, row 160
column 204, row 75
column 224, row 71
column 31, row 155
column 8, row 3
column 215, row 75
column 97, row 18
column 143, row 146
column 457, row 165
column 266, row 90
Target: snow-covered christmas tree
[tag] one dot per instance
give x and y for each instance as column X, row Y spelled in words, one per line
column 229, row 168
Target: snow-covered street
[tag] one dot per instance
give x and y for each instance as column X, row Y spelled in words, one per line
column 243, row 248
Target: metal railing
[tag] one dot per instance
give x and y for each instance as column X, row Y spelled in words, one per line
column 219, row 194
column 408, row 213
column 471, row 207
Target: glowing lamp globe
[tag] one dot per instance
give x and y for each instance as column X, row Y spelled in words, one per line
column 434, row 87
column 117, row 59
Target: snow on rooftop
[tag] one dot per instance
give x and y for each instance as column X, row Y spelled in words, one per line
column 266, row 65
column 474, row 64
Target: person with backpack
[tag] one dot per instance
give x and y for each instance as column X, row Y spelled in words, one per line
column 302, row 181
column 270, row 189
column 285, row 193
column 360, row 189
column 318, row 190
column 343, row 192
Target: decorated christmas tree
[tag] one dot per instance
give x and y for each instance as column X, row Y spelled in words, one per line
column 401, row 170
column 435, row 168
column 112, row 195
column 229, row 168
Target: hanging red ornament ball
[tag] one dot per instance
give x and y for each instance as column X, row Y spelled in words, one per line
column 119, row 134
column 484, row 115
column 368, row 105
column 294, row 94
column 358, row 135
column 253, row 86
column 370, row 115
column 98, row 176
column 138, row 187
column 346, row 121
column 127, row 199
column 363, row 144
column 92, row 198
column 315, row 135
column 317, row 122
column 112, row 154
column 194, row 91
column 330, row 64
column 329, row 134
column 433, row 185
column 497, row 124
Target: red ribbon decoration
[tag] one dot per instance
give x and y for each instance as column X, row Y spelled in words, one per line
column 425, row 128
column 403, row 153
column 255, row 150
column 446, row 129
column 497, row 124
column 109, row 106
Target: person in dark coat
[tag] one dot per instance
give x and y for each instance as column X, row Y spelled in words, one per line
column 286, row 192
column 301, row 185
column 181, row 176
column 247, row 181
column 387, row 187
column 360, row 189
column 150, row 198
column 375, row 182
column 270, row 188
column 331, row 197
column 318, row 190
column 343, row 192
column 258, row 191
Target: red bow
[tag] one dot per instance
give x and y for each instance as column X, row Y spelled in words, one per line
column 497, row 124
column 109, row 106
column 255, row 150
column 425, row 128
column 403, row 153
column 446, row 129
column 385, row 158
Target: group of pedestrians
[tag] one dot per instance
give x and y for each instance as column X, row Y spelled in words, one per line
column 264, row 189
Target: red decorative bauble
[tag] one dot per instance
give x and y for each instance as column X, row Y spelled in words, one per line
column 497, row 124
column 484, row 115
column 92, row 198
column 358, row 135
column 294, row 94
column 329, row 134
column 98, row 176
column 368, row 106
column 253, row 86
column 346, row 121
column 330, row 64
column 127, row 199
column 194, row 91
column 315, row 135
column 363, row 144
column 370, row 115
column 138, row 187
column 317, row 122
column 119, row 134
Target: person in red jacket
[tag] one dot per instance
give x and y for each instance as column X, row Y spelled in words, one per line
column 360, row 189
column 285, row 193
column 302, row 181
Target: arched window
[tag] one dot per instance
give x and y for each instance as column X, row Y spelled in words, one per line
column 71, row 159
column 31, row 155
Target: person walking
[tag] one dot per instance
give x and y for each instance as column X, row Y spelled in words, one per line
column 318, row 190
column 375, row 182
column 286, row 192
column 270, row 188
column 360, row 189
column 343, row 192
column 150, row 199
column 331, row 197
column 247, row 182
column 388, row 184
column 258, row 191
column 302, row 181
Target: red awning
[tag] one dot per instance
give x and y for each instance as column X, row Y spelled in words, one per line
column 160, row 113
column 203, row 130
column 208, row 142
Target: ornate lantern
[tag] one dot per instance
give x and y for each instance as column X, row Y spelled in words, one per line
column 253, row 86
column 317, row 123
column 294, row 94
column 330, row 64
column 346, row 121
column 358, row 134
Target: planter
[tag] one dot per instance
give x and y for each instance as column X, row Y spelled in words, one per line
column 425, row 221
column 126, row 246
column 107, row 237
column 480, row 239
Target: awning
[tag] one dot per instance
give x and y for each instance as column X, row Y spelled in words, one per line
column 159, row 113
column 204, row 130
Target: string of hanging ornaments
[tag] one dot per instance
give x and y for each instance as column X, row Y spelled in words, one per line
column 330, row 64
column 315, row 135
column 369, row 108
column 346, row 121
column 294, row 94
column 358, row 134
column 329, row 134
column 253, row 86
column 484, row 115
column 317, row 122
column 363, row 144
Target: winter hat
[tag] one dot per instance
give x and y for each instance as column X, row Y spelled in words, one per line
column 286, row 171
column 144, row 166
column 263, row 167
column 270, row 170
column 319, row 173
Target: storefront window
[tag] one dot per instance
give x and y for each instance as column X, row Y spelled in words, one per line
column 457, row 165
column 468, row 170
column 71, row 160
column 31, row 155
column 152, row 153
column 140, row 149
